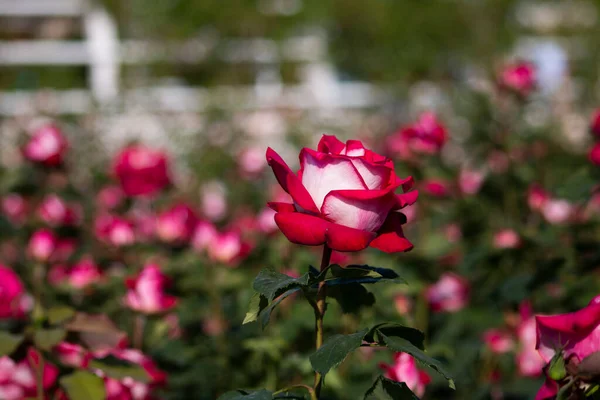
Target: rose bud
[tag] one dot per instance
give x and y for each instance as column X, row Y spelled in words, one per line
column 595, row 124
column 14, row 207
column 537, row 197
column 84, row 273
column 470, row 181
column 47, row 147
column 344, row 196
column 426, row 136
column 228, row 248
column 594, row 155
column 72, row 355
column 141, row 171
column 404, row 369
column 42, row 244
column 14, row 301
column 146, row 291
column 176, row 225
column 506, row 239
column 449, row 294
column 110, row 197
column 498, row 341
column 518, row 78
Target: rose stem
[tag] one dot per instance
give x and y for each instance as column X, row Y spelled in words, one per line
column 319, row 314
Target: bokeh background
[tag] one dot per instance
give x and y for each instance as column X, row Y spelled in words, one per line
column 506, row 223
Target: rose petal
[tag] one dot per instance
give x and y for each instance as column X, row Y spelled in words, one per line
column 406, row 199
column 343, row 238
column 302, row 228
column 375, row 176
column 330, row 144
column 281, row 207
column 290, row 182
column 391, row 237
column 356, row 209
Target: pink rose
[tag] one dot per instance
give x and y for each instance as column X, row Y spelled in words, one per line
column 14, row 207
column 84, row 273
column 72, row 355
column 176, row 225
column 42, row 244
column 114, row 230
column 55, row 212
column 403, row 304
column 557, row 211
column 518, row 78
column 537, row 197
column 426, row 136
column 47, row 147
column 404, row 369
column 251, row 162
column 498, row 341
column 213, row 201
column 343, row 197
column 141, row 171
column 594, row 155
column 110, row 197
column 14, row 302
column 204, row 234
column 507, row 239
column 228, row 248
column 436, row 188
column 24, row 374
column 146, row 291
column 529, row 362
column 470, row 181
column 450, row 293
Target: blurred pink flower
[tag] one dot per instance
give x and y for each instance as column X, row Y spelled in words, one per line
column 110, row 197
column 436, row 187
column 519, row 78
column 14, row 301
column 46, row 147
column 506, row 239
column 498, row 162
column 425, row 136
column 141, row 171
column 557, row 211
column 114, row 230
column 72, row 355
column 54, row 211
column 453, row 233
column 176, row 225
column 204, row 234
column 404, row 369
column 470, row 181
column 537, row 197
column 403, row 304
column 595, row 124
column 42, row 244
column 449, row 294
column 266, row 221
column 228, row 248
column 498, row 341
column 146, row 292
column 528, row 360
column 213, row 201
column 14, row 207
column 84, row 273
column 251, row 161
column 594, row 154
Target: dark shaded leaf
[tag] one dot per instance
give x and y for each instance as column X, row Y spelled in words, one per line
column 272, row 283
column 334, row 351
column 83, row 385
column 247, row 395
column 265, row 315
column 386, row 389
column 414, row 336
column 351, row 297
column 9, row 343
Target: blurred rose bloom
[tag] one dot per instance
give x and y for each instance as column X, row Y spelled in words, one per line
column 176, row 225
column 529, row 362
column 54, row 211
column 404, row 369
column 72, row 355
column 141, row 171
column 519, row 78
column 436, row 188
column 251, row 161
column 403, row 304
column 14, row 207
column 537, row 197
column 470, row 181
column 594, row 154
column 595, row 124
column 146, row 292
column 557, row 211
column 84, row 273
column 498, row 341
column 14, row 301
column 114, row 230
column 213, row 200
column 425, row 136
column 18, row 379
column 47, row 147
column 42, row 244
column 449, row 294
column 507, row 239
column 110, row 197
column 228, row 248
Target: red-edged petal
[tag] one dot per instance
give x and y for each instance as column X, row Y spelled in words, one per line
column 290, row 182
column 354, row 148
column 322, row 173
column 391, row 237
column 343, row 238
column 281, row 207
column 375, row 176
column 406, row 199
column 358, row 208
column 548, row 390
column 302, row 228
column 330, row 144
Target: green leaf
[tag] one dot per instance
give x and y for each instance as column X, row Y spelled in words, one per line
column 83, row 385
column 247, row 395
column 351, row 297
column 46, row 339
column 265, row 315
column 334, row 351
column 9, row 343
column 359, row 274
column 118, row 369
column 403, row 345
column 414, row 336
column 386, row 389
column 58, row 315
column 258, row 302
column 272, row 283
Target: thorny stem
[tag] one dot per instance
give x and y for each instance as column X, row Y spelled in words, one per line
column 319, row 314
column 310, row 390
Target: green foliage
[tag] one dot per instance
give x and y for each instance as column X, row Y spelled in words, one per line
column 9, row 342
column 82, row 385
column 335, row 350
column 386, row 389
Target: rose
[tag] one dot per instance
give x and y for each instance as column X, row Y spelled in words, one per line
column 575, row 333
column 506, row 239
column 437, row 188
column 498, row 341
column 594, row 155
column 47, row 147
column 595, row 124
column 42, row 244
column 14, row 207
column 519, row 78
column 141, row 171
column 110, row 197
column 404, row 369
column 470, row 181
column 72, row 355
column 114, row 230
column 343, row 197
column 14, row 302
column 84, row 273
column 426, row 136
column 450, row 293
column 146, row 291
column 537, row 197
column 55, row 212
column 228, row 248
column 176, row 225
